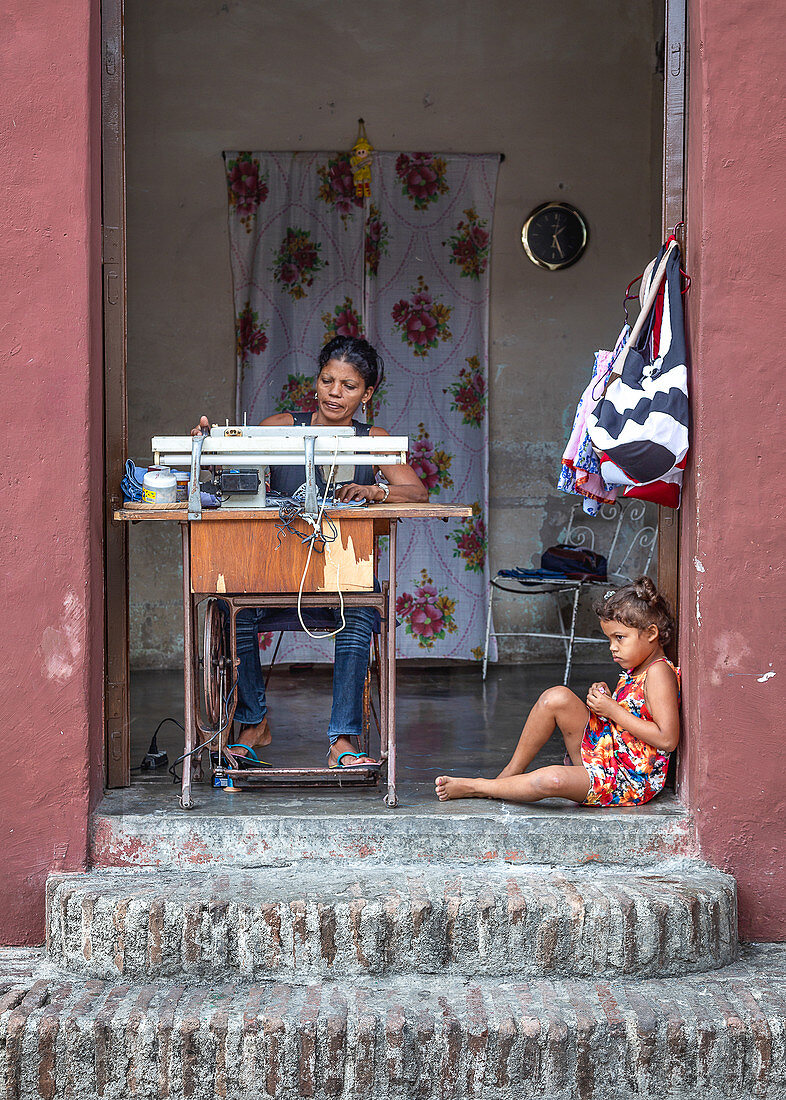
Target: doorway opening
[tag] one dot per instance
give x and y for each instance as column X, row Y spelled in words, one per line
column 575, row 99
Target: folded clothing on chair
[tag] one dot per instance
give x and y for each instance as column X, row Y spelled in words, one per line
column 574, row 562
column 531, row 576
column 561, row 563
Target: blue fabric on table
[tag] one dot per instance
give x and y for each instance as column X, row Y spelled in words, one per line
column 131, row 485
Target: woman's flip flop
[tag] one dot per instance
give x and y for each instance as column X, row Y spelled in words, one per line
column 349, row 767
column 251, row 760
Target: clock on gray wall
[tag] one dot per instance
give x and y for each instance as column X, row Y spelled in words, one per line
column 555, row 235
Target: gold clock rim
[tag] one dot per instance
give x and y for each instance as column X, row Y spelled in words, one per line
column 539, row 210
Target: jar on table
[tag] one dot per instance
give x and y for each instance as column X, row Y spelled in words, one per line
column 160, row 485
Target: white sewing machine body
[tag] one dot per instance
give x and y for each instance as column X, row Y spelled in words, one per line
column 244, row 446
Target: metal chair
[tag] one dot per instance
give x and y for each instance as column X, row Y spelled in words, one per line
column 620, row 531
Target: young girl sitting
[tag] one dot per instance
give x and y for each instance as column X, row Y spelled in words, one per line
column 617, row 745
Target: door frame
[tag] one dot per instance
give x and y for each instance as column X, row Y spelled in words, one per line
column 675, row 76
column 117, row 719
column 117, row 731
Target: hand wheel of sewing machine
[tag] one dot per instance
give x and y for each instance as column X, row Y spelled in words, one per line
column 216, row 662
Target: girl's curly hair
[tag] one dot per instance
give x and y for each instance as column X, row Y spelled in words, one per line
column 638, row 604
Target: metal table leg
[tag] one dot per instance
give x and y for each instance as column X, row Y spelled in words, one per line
column 569, row 661
column 390, row 627
column 186, row 800
column 488, row 630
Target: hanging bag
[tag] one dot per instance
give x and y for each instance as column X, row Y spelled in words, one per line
column 639, row 428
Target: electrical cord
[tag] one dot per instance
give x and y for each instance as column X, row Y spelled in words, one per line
column 198, row 748
column 153, row 749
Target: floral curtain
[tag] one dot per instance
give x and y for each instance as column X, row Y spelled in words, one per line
column 409, row 269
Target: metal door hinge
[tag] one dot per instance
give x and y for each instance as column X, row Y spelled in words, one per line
column 116, row 744
column 110, row 244
column 675, row 59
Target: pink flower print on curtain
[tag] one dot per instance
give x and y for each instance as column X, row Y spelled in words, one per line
column 297, row 394
column 247, row 187
column 469, row 245
column 428, row 613
column 469, row 393
column 376, row 240
column 250, row 335
column 297, row 261
column 471, row 541
column 427, row 315
column 345, row 320
column 432, row 465
column 422, row 321
column 338, row 186
column 422, row 176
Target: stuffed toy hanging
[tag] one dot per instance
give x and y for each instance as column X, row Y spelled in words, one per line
column 639, row 428
column 360, row 162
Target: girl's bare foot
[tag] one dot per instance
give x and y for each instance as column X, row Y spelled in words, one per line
column 448, row 786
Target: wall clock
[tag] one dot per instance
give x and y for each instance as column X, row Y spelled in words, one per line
column 555, row 235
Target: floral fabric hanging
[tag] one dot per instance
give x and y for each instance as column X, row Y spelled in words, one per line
column 296, row 241
column 407, row 267
column 427, row 297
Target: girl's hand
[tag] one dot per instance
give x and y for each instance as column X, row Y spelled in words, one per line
column 599, row 700
column 371, row 493
column 204, row 426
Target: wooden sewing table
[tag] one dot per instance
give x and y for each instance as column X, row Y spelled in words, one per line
column 237, row 555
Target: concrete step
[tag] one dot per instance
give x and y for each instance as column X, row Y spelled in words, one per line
column 702, row 1037
column 302, row 921
column 142, row 826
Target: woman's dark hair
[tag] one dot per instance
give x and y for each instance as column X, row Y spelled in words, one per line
column 358, row 352
column 638, row 604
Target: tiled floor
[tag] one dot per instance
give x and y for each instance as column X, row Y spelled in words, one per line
column 448, row 721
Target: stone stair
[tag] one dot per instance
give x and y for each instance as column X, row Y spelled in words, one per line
column 301, row 922
column 716, row 1036
column 454, row 971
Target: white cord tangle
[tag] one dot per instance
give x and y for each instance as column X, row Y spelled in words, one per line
column 317, row 529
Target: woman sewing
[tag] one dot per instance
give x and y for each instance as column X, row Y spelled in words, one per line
column 349, row 372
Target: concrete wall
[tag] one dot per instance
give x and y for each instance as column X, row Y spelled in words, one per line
column 734, row 515
column 50, row 455
column 567, row 90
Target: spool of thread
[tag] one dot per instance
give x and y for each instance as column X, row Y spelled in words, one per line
column 160, row 485
column 182, row 485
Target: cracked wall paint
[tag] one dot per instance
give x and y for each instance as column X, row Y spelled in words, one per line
column 62, row 645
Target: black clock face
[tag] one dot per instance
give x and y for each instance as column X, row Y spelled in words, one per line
column 554, row 235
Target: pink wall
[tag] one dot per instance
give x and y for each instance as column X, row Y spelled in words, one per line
column 734, row 518
column 50, row 447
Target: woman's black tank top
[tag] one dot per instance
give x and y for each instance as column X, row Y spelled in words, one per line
column 288, row 479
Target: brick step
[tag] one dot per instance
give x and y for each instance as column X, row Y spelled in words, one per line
column 337, row 921
column 701, row 1037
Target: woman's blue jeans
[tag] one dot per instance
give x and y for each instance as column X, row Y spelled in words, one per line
column 349, row 668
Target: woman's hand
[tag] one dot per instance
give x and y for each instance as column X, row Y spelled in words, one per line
column 599, row 700
column 371, row 493
column 204, row 427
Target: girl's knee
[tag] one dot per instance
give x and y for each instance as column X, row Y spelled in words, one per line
column 554, row 698
column 550, row 782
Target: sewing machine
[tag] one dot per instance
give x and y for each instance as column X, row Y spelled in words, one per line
column 244, row 447
column 233, row 558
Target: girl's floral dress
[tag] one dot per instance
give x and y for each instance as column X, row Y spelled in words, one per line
column 624, row 770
